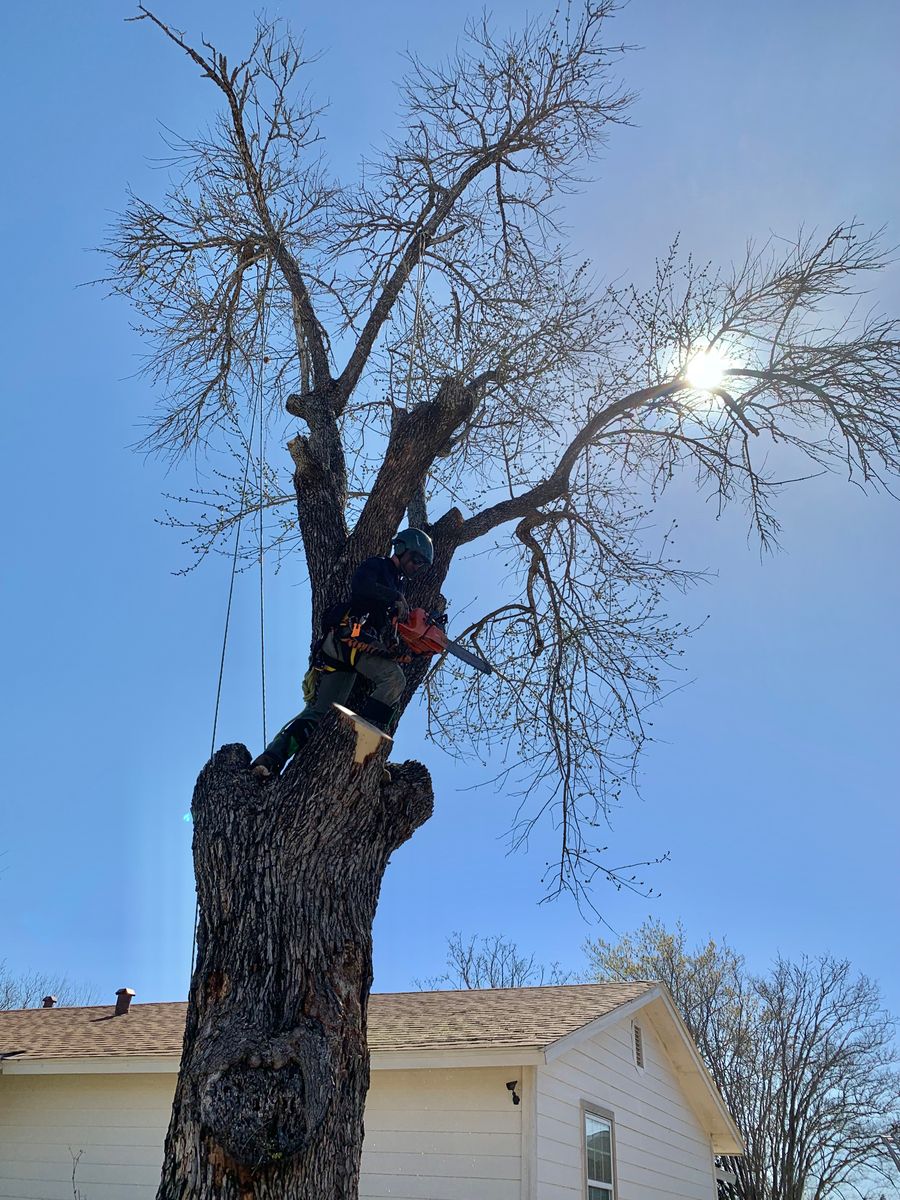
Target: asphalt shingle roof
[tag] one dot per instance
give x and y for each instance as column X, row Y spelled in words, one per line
column 476, row 1020
column 492, row 1017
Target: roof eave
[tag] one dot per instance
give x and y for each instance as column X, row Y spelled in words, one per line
column 93, row 1064
column 465, row 1056
column 571, row 1040
column 725, row 1136
column 381, row 1060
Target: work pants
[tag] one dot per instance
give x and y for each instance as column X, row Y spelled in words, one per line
column 334, row 687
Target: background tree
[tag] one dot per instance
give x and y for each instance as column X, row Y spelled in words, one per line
column 491, row 962
column 804, row 1056
column 29, row 989
column 450, row 363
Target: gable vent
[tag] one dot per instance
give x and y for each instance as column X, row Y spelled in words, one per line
column 638, row 1045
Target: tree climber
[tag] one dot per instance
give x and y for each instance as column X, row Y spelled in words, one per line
column 359, row 639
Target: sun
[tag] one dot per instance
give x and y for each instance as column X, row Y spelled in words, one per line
column 706, row 370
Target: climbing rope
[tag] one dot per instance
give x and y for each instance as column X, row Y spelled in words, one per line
column 234, row 559
column 262, row 573
column 257, row 409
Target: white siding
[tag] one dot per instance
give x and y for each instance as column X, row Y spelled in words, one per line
column 430, row 1135
column 118, row 1122
column 661, row 1151
column 442, row 1135
column 449, row 1134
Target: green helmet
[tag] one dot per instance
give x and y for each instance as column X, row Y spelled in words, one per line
column 416, row 542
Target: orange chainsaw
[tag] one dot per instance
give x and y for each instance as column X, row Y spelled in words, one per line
column 424, row 633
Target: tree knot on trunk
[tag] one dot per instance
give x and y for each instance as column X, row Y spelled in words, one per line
column 263, row 1101
column 408, row 800
column 434, row 420
column 306, row 468
column 326, row 401
column 226, row 778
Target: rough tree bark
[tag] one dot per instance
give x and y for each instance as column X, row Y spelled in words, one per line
column 276, row 1068
column 275, row 1063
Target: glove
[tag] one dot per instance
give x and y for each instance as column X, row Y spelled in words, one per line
column 401, row 608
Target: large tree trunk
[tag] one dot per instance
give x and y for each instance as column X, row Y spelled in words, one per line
column 275, row 1066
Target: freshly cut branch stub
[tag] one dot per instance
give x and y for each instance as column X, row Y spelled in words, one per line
column 368, row 736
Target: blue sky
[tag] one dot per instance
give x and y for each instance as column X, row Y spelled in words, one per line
column 773, row 783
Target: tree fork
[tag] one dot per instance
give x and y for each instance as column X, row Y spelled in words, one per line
column 417, row 436
column 275, row 1064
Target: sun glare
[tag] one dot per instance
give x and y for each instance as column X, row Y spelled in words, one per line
column 706, row 370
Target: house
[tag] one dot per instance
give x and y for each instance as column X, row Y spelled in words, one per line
column 581, row 1092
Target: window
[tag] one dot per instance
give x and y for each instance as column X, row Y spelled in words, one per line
column 638, row 1046
column 598, row 1153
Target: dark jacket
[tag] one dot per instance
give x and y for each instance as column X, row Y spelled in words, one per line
column 376, row 587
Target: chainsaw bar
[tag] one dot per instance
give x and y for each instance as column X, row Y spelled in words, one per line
column 424, row 633
column 467, row 656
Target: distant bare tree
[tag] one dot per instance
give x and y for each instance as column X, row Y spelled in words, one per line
column 448, row 360
column 29, row 989
column 804, row 1055
column 491, row 962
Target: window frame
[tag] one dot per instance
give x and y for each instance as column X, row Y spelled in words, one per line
column 589, row 1108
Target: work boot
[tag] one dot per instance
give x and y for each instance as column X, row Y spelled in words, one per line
column 284, row 745
column 266, row 766
column 377, row 713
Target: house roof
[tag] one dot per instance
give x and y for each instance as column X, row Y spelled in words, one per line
column 533, row 1017
column 489, row 1018
column 466, row 1025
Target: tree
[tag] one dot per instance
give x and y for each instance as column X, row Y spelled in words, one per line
column 491, row 962
column 803, row 1055
column 28, row 990
column 429, row 330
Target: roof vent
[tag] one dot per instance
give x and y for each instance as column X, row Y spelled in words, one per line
column 48, row 1001
column 123, row 999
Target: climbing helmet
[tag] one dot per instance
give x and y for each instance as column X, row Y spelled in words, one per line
column 415, row 542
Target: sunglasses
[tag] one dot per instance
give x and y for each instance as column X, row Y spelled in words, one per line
column 417, row 559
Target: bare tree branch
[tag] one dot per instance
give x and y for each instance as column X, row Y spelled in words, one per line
column 491, row 962
column 29, row 989
column 504, row 400
column 804, row 1056
column 532, row 107
column 236, row 85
